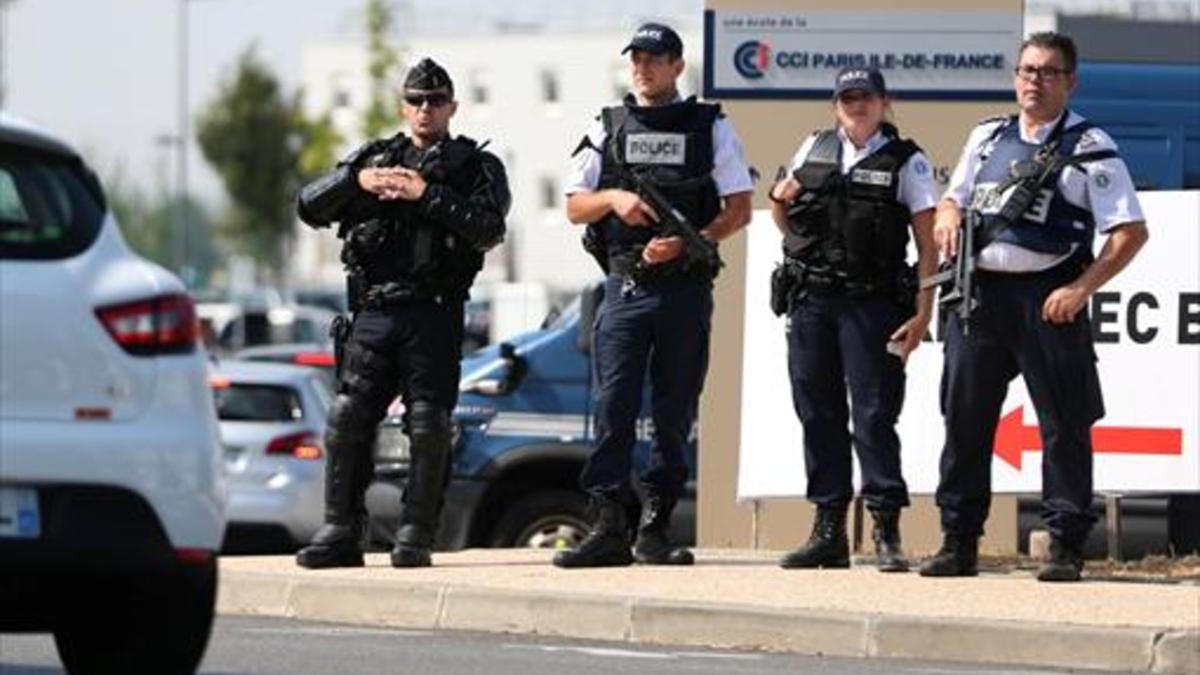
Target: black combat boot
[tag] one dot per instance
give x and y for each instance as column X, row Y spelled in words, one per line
column 347, row 469
column 958, row 557
column 606, row 544
column 827, row 546
column 423, row 493
column 887, row 542
column 654, row 546
column 1065, row 563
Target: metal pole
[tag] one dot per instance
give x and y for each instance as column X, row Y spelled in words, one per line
column 3, row 49
column 181, row 158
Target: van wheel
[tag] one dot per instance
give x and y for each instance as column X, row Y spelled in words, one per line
column 555, row 519
column 157, row 624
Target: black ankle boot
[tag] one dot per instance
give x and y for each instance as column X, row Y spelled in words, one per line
column 1065, row 563
column 890, row 558
column 827, row 546
column 958, row 557
column 333, row 546
column 414, row 547
column 654, row 546
column 606, row 544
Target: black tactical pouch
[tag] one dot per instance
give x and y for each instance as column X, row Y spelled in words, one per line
column 783, row 282
column 907, row 286
column 594, row 243
column 339, row 332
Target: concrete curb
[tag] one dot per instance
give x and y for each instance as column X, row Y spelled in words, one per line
column 459, row 607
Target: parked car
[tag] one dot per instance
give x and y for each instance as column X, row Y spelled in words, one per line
column 233, row 326
column 523, row 432
column 272, row 419
column 111, row 500
column 316, row 355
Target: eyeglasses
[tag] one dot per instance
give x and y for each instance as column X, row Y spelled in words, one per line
column 435, row 100
column 1031, row 73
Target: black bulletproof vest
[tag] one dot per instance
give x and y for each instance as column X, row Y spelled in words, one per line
column 852, row 223
column 408, row 248
column 670, row 146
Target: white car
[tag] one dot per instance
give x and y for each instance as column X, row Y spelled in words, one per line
column 272, row 419
column 111, row 495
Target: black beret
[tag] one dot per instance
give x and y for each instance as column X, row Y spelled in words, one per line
column 428, row 76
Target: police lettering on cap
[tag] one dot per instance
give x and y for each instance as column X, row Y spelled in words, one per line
column 869, row 80
column 656, row 38
column 427, row 75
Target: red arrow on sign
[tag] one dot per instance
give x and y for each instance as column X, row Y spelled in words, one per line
column 1014, row 439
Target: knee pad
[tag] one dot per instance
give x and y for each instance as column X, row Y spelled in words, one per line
column 352, row 419
column 427, row 420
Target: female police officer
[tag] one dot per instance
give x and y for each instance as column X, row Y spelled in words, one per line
column 844, row 212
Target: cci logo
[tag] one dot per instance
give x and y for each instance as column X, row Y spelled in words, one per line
column 751, row 58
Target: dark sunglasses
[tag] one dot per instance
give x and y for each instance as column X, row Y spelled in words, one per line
column 435, row 100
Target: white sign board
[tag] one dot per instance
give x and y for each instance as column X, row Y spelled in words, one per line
column 948, row 54
column 1147, row 328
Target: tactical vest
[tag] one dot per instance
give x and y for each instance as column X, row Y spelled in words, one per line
column 670, row 146
column 851, row 224
column 1051, row 224
column 398, row 245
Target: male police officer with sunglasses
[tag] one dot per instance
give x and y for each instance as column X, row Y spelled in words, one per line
column 657, row 306
column 417, row 213
column 1039, row 184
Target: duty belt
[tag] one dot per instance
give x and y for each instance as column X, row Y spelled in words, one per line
column 824, row 280
column 391, row 293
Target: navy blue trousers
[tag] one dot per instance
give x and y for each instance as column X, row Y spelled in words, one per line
column 661, row 328
column 835, row 343
column 1008, row 337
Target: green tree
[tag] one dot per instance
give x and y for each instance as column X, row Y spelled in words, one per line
column 263, row 147
column 382, row 61
column 130, row 206
column 149, row 222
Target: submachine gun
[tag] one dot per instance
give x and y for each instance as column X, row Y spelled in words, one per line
column 1031, row 177
column 698, row 254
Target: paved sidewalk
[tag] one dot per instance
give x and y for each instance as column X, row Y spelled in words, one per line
column 742, row 600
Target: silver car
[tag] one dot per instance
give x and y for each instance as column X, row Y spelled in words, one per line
column 272, row 419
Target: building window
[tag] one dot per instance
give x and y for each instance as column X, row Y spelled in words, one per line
column 479, row 89
column 549, row 86
column 549, row 189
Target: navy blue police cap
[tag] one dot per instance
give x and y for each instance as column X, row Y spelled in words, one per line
column 869, row 80
column 427, row 75
column 656, row 38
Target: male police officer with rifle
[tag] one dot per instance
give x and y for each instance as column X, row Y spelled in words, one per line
column 1040, row 185
column 417, row 213
column 657, row 306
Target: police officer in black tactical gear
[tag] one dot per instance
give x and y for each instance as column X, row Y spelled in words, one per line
column 416, row 213
column 657, row 305
column 853, row 311
column 1039, row 184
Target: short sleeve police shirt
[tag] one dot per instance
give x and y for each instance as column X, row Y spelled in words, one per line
column 730, row 171
column 917, row 189
column 1103, row 187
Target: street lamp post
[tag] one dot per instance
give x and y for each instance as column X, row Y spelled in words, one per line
column 181, row 158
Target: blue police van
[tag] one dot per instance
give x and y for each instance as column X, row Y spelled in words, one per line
column 523, row 429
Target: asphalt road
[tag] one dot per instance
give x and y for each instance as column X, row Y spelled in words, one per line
column 266, row 646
